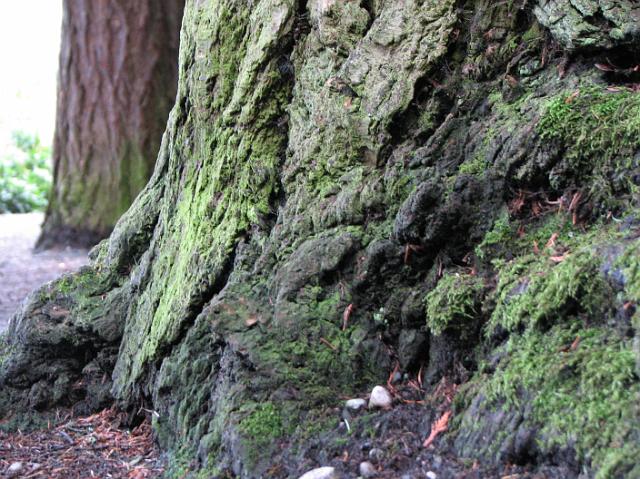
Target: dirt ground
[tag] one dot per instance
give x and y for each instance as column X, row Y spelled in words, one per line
column 22, row 270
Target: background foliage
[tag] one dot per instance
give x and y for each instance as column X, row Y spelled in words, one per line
column 25, row 175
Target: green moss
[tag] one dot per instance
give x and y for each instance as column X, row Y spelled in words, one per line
column 317, row 362
column 182, row 465
column 500, row 234
column 454, row 303
column 600, row 133
column 534, row 291
column 629, row 262
column 235, row 148
column 581, row 396
column 315, row 424
column 263, row 424
column 479, row 163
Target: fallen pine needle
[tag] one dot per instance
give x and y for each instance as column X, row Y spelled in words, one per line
column 436, row 428
column 346, row 315
column 560, row 258
column 327, row 343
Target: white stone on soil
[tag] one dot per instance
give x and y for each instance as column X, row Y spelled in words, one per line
column 15, row 469
column 355, row 404
column 380, row 398
column 367, row 469
column 320, row 473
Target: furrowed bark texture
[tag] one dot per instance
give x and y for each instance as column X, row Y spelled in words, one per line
column 117, row 82
column 459, row 176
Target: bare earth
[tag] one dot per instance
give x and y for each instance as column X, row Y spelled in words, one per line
column 22, row 270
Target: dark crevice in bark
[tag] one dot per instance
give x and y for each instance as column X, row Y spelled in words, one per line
column 301, row 26
column 368, row 6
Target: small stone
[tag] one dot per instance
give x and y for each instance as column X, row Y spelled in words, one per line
column 380, row 398
column 376, row 455
column 15, row 469
column 367, row 469
column 321, row 473
column 432, row 475
column 355, row 404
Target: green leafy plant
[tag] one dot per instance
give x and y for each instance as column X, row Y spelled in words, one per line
column 25, row 175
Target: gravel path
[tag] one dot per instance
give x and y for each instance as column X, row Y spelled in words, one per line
column 22, row 270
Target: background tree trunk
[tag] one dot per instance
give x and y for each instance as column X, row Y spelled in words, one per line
column 442, row 188
column 117, row 83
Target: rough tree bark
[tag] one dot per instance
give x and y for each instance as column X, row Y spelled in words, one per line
column 346, row 187
column 117, row 82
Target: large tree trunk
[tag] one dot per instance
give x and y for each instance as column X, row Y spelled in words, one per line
column 346, row 187
column 117, row 82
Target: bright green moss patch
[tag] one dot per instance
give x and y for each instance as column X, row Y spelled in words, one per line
column 583, row 383
column 599, row 130
column 453, row 303
column 539, row 289
column 263, row 424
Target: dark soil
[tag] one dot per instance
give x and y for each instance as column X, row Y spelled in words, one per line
column 394, row 442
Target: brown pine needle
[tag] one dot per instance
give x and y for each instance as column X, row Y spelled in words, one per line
column 346, row 315
column 552, row 241
column 437, row 427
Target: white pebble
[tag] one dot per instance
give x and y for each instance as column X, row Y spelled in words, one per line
column 321, row 473
column 380, row 398
column 367, row 469
column 356, row 404
column 431, row 475
column 15, row 469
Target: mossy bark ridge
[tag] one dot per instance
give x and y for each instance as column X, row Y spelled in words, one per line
column 445, row 167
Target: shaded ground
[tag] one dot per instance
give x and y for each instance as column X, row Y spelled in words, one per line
column 408, row 441
column 22, row 270
column 93, row 446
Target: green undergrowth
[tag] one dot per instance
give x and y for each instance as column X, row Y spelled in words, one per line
column 25, row 175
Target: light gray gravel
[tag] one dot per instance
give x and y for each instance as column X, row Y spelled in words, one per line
column 22, row 270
